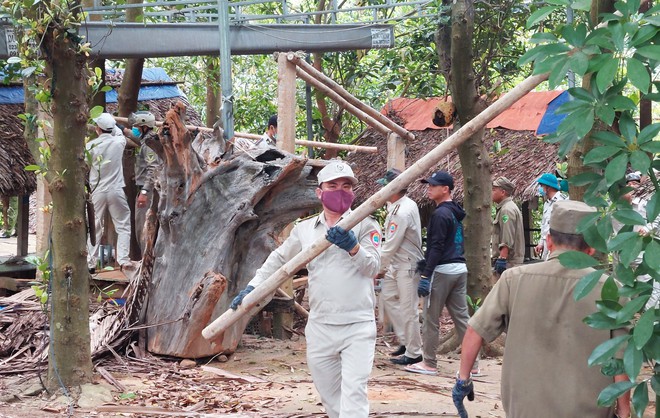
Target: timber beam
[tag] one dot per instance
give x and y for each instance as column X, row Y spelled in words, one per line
column 139, row 40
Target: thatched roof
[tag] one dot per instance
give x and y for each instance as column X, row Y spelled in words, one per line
column 528, row 157
column 14, row 154
column 161, row 106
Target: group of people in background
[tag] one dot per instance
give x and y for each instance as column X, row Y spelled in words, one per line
column 527, row 301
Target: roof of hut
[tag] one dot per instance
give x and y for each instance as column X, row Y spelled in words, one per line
column 526, row 159
column 14, row 154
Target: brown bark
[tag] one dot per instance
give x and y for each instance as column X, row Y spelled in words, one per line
column 454, row 45
column 576, row 155
column 70, row 359
column 213, row 93
column 217, row 226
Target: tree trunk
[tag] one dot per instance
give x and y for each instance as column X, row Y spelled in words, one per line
column 127, row 102
column 217, row 227
column 212, row 90
column 576, row 155
column 70, row 360
column 454, row 46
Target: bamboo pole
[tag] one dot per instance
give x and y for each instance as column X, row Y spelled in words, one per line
column 316, row 144
column 376, row 201
column 337, row 98
column 302, row 64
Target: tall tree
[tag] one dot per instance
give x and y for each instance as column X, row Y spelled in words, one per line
column 54, row 25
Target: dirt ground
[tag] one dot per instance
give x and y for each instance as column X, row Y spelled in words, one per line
column 264, row 378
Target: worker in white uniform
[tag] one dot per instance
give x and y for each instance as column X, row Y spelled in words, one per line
column 341, row 329
column 106, row 179
column 402, row 249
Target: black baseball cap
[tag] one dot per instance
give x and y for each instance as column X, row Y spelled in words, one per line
column 440, row 178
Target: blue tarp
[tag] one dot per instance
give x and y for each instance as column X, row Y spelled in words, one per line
column 550, row 121
column 14, row 94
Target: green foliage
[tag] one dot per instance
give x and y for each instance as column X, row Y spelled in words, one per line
column 618, row 57
column 43, row 268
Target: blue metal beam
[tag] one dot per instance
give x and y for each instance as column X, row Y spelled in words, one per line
column 138, row 40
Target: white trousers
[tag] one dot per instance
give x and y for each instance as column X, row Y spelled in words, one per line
column 115, row 202
column 400, row 303
column 340, row 358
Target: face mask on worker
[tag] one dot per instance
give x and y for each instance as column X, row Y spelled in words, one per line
column 338, row 201
column 275, row 136
column 541, row 191
column 136, row 132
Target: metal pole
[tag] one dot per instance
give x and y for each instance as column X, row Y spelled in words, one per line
column 308, row 105
column 225, row 70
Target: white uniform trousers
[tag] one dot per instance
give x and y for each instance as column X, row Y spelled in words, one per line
column 340, row 358
column 400, row 303
column 114, row 201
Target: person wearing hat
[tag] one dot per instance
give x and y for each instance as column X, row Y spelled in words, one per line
column 106, row 179
column 549, row 189
column 443, row 272
column 508, row 239
column 544, row 372
column 402, row 249
column 341, row 328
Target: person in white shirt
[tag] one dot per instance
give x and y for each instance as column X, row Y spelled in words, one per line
column 106, row 179
column 341, row 329
column 269, row 138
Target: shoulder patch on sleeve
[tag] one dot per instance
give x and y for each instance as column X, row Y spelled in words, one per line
column 375, row 238
column 505, row 218
column 391, row 228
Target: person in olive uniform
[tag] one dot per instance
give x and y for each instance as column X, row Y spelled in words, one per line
column 508, row 239
column 545, row 371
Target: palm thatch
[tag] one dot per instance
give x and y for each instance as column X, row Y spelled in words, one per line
column 523, row 159
column 14, row 154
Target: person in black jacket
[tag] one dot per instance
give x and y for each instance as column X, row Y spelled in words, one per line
column 443, row 270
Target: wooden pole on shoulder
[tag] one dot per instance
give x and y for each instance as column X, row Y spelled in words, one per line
column 376, row 201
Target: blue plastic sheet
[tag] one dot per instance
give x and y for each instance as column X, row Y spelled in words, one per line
column 14, row 94
column 551, row 120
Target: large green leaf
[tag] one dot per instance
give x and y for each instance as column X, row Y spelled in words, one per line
column 616, row 169
column 640, row 161
column 599, row 154
column 583, row 179
column 624, row 274
column 651, row 146
column 631, row 308
column 629, row 217
column 648, row 133
column 628, row 127
column 653, row 207
column 577, row 260
column 558, row 72
column 640, row 398
column 605, row 76
column 610, row 291
column 609, row 395
column 649, row 51
column 638, row 74
column 621, row 239
column 644, row 328
column 632, row 361
column 599, row 320
column 609, row 138
column 586, row 284
column 606, row 349
column 595, row 240
column 652, row 255
column 629, row 253
column 539, row 15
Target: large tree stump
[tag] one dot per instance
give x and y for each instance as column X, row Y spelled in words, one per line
column 217, row 226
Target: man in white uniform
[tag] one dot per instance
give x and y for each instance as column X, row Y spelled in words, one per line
column 550, row 190
column 402, row 249
column 341, row 329
column 106, row 179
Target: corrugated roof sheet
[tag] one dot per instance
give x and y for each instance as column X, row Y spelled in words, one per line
column 524, row 115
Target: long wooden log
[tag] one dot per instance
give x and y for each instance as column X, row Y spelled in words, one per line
column 337, row 98
column 376, row 201
column 316, row 144
column 302, row 64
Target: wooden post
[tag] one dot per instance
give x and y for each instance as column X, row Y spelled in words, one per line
column 22, row 224
column 286, row 141
column 396, row 152
column 424, row 164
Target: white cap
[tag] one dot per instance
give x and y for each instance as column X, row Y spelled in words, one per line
column 336, row 170
column 105, row 121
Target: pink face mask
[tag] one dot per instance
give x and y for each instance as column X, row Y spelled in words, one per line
column 338, row 201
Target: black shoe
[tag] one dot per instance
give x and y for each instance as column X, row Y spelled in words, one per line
column 405, row 360
column 399, row 351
